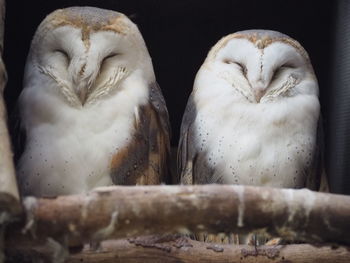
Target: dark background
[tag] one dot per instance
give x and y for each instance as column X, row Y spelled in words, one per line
column 179, row 35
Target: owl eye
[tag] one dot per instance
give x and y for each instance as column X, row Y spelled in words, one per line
column 104, row 62
column 280, row 69
column 63, row 54
column 241, row 66
column 288, row 65
column 109, row 56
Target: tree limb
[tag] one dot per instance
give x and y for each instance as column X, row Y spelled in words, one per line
column 177, row 248
column 8, row 186
column 186, row 250
column 128, row 211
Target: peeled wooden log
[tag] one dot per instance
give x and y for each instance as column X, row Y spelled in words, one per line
column 176, row 248
column 9, row 198
column 166, row 249
column 128, row 211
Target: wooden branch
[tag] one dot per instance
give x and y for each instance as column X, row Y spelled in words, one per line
column 126, row 211
column 186, row 250
column 176, row 248
column 9, row 198
column 8, row 187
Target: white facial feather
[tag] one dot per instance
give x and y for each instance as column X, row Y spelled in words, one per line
column 256, row 112
column 81, row 88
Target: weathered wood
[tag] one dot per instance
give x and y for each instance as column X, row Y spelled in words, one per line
column 174, row 248
column 186, row 250
column 126, row 211
column 9, row 197
column 8, row 186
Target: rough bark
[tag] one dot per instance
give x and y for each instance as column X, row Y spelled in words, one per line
column 127, row 211
column 8, row 186
column 172, row 248
column 186, row 250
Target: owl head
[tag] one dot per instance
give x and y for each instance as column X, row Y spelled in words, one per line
column 258, row 66
column 87, row 52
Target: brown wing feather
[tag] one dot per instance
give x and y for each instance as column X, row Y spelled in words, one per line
column 145, row 159
column 186, row 150
column 160, row 132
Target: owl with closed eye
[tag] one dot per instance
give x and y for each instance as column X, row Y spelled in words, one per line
column 91, row 110
column 253, row 117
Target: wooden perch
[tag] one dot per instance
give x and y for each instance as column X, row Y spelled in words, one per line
column 176, row 248
column 9, row 199
column 190, row 251
column 172, row 248
column 128, row 211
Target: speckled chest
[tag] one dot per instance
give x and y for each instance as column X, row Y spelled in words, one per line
column 245, row 147
column 72, row 157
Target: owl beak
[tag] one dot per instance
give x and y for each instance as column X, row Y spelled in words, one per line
column 83, row 88
column 82, row 95
column 83, row 79
column 258, row 94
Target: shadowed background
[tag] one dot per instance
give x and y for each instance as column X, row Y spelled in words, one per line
column 180, row 33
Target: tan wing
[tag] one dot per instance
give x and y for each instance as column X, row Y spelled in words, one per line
column 186, row 152
column 193, row 167
column 145, row 160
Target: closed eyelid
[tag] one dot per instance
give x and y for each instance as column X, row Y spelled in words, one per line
column 288, row 65
column 63, row 52
column 111, row 55
column 279, row 69
column 241, row 65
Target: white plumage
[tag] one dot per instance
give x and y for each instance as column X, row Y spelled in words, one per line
column 91, row 108
column 253, row 115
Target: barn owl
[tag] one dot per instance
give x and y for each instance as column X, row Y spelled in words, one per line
column 253, row 115
column 91, row 109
